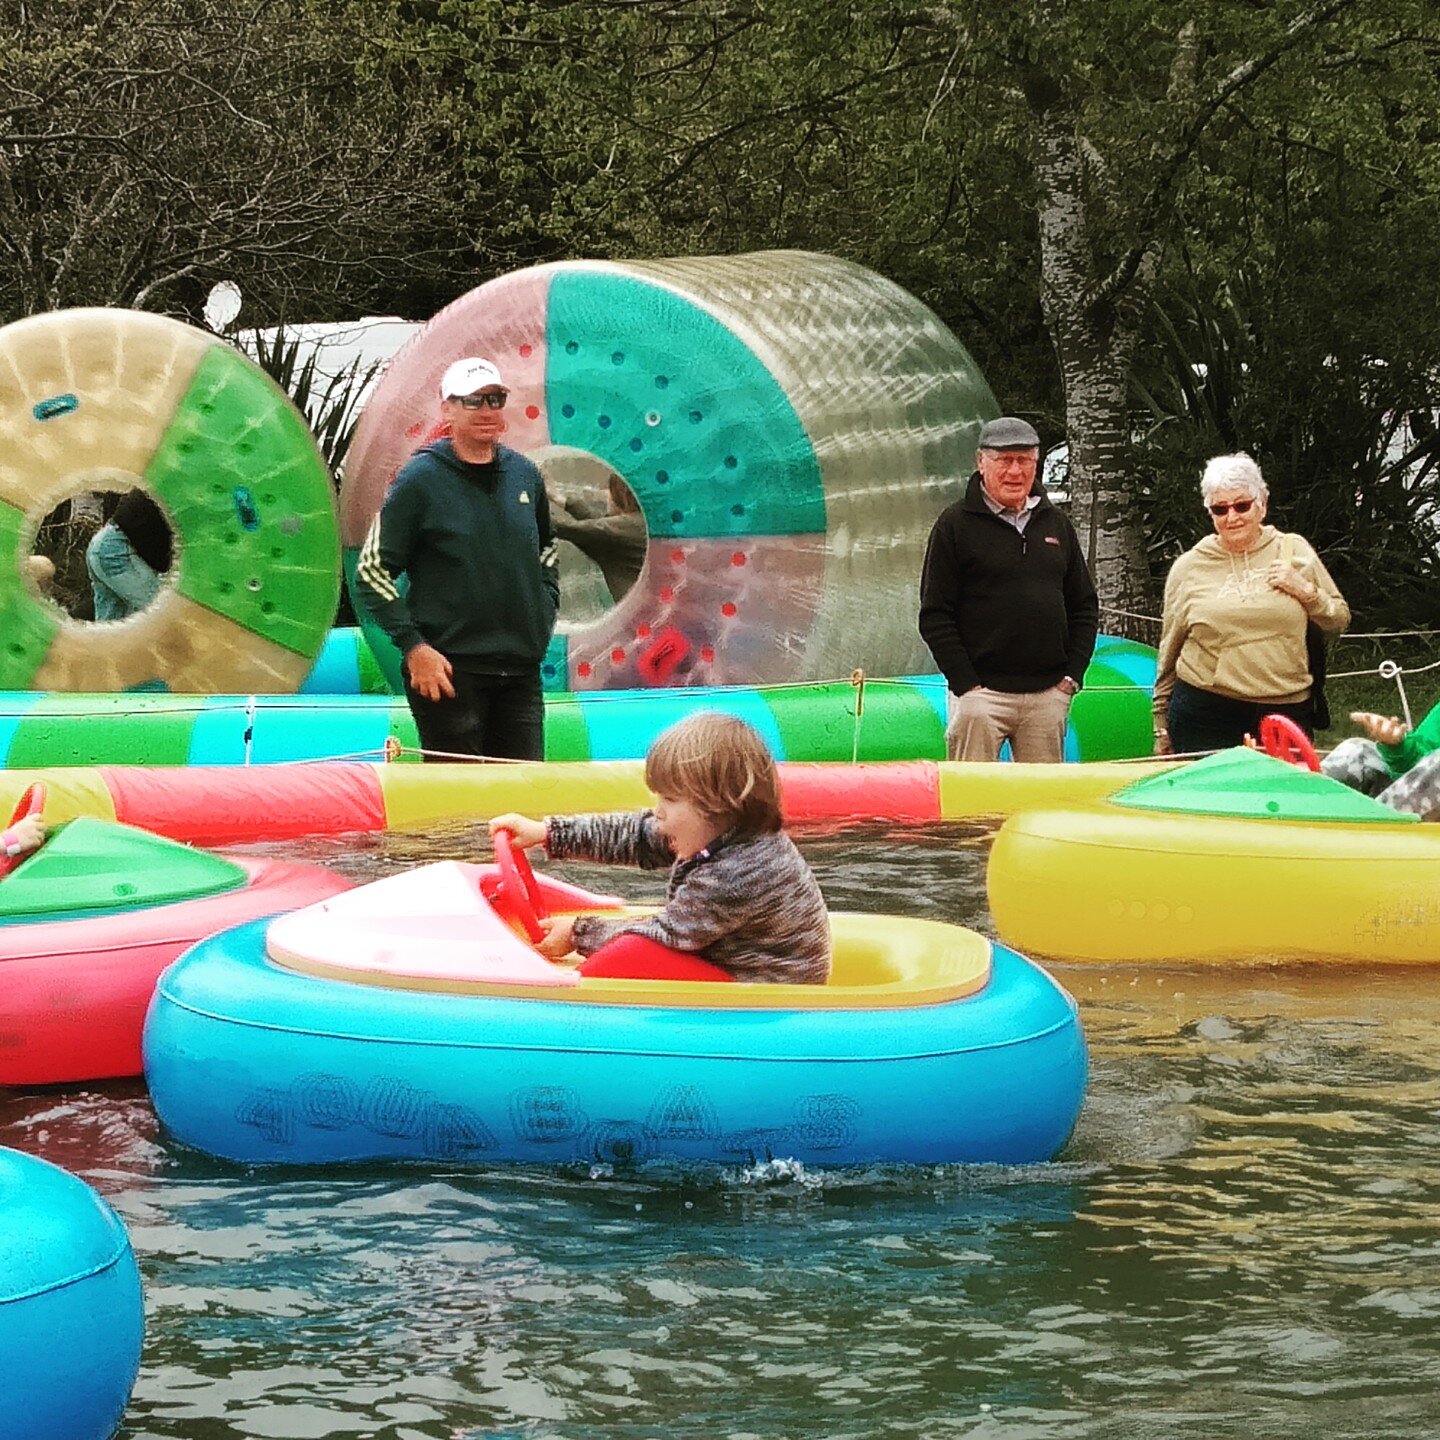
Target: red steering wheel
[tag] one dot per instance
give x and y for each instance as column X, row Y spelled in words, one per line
column 517, row 893
column 32, row 802
column 1285, row 740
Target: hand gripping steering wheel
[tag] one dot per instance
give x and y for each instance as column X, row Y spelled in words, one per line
column 1285, row 740
column 32, row 802
column 517, row 896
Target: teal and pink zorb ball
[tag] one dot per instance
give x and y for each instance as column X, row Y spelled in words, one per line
column 791, row 424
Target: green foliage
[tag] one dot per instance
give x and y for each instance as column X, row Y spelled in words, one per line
column 1263, row 207
column 331, row 404
column 1301, row 322
column 150, row 148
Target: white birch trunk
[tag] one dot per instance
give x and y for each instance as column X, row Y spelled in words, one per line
column 1094, row 343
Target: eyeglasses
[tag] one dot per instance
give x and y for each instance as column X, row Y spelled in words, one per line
column 1240, row 507
column 491, row 399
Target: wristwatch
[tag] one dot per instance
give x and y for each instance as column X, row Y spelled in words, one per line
column 1070, row 685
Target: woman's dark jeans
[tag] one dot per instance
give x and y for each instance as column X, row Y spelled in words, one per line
column 1201, row 720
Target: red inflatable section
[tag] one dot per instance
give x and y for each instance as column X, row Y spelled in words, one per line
column 73, row 993
column 900, row 790
column 217, row 804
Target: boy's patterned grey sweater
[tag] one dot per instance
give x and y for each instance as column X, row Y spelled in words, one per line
column 747, row 903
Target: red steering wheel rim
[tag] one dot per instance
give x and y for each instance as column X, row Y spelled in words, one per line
column 518, row 891
column 32, row 802
column 1285, row 740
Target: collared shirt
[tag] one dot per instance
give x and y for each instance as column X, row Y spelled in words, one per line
column 1018, row 518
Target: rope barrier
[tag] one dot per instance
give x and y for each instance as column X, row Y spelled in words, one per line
column 1345, row 638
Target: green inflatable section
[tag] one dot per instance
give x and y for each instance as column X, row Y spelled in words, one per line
column 27, row 630
column 692, row 436
column 819, row 722
column 1246, row 784
column 259, row 530
column 60, row 730
column 94, row 865
column 1111, row 716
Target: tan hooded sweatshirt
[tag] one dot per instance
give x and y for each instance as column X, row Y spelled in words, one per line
column 1227, row 630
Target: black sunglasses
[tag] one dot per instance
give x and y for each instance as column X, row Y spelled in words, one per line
column 1240, row 507
column 494, row 399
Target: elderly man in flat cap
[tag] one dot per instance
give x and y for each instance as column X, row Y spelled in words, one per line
column 1007, row 605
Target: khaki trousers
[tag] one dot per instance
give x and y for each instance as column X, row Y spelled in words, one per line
column 982, row 720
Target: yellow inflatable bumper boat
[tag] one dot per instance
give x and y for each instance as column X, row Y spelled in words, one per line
column 1237, row 858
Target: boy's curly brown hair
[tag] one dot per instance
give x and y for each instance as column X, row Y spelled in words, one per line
column 721, row 766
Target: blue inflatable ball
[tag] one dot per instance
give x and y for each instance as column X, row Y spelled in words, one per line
column 71, row 1314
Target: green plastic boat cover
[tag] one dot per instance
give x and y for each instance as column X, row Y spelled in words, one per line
column 91, row 865
column 1247, row 784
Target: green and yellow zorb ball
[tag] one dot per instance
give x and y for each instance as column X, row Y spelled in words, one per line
column 102, row 400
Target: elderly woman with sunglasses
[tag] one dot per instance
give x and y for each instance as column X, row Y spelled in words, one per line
column 1233, row 636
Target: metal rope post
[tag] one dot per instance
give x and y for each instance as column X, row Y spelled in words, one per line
column 1389, row 670
column 857, row 679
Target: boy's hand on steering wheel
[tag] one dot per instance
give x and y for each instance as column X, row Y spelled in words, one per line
column 559, row 937
column 28, row 833
column 528, row 833
column 1383, row 729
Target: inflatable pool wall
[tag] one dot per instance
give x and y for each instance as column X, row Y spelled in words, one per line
column 899, row 720
column 112, row 399
column 71, row 1313
column 790, row 423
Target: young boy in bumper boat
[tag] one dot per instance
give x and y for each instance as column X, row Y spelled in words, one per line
column 741, row 903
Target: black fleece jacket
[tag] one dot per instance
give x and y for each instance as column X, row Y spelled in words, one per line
column 1008, row 611
column 476, row 544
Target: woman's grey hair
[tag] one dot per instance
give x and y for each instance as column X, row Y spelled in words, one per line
column 1233, row 472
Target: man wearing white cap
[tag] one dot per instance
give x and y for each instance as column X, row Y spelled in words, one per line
column 468, row 523
column 1007, row 605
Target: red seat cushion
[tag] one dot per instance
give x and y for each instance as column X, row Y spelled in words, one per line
column 636, row 957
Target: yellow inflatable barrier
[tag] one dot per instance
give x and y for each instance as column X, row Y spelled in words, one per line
column 236, row 804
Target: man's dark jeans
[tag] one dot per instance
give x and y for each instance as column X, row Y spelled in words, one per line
column 492, row 716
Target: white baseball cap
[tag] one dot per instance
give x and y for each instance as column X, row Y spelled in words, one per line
column 467, row 376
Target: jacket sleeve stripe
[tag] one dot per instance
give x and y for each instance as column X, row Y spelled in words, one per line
column 370, row 570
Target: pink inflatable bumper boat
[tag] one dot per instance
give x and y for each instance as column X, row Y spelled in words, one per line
column 88, row 922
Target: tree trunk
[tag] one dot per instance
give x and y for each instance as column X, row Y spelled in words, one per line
column 1094, row 342
column 1104, row 505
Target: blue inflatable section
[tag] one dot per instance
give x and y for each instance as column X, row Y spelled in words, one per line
column 18, row 703
column 71, row 1313
column 256, row 1063
column 624, row 724
column 337, row 668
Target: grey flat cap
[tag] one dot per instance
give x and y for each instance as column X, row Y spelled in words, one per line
column 1008, row 433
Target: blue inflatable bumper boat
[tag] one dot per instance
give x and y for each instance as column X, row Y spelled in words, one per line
column 408, row 1020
